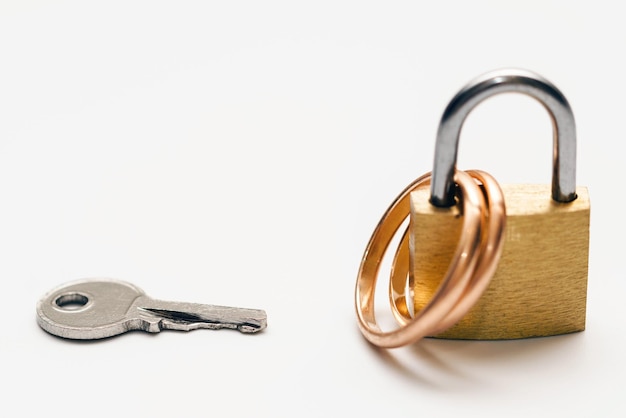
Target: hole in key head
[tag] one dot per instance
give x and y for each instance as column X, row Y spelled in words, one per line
column 71, row 301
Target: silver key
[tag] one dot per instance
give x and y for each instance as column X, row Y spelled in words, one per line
column 100, row 308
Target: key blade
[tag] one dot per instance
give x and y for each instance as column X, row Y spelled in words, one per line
column 157, row 315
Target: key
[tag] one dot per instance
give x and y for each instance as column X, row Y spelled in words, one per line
column 100, row 308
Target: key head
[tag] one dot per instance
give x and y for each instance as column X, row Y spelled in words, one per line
column 88, row 309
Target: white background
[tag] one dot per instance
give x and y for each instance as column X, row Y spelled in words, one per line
column 241, row 153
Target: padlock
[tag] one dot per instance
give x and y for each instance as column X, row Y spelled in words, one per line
column 540, row 285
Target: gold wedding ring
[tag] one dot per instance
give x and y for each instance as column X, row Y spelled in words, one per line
column 490, row 251
column 468, row 275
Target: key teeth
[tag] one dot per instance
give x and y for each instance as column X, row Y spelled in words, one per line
column 155, row 326
column 156, row 320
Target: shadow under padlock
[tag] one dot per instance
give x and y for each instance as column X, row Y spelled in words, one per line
column 540, row 284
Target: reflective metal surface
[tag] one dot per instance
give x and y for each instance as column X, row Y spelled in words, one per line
column 99, row 308
column 453, row 285
column 487, row 85
column 490, row 251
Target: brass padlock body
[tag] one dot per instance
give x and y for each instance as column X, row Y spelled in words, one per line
column 540, row 285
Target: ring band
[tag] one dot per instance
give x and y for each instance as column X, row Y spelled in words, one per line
column 492, row 242
column 454, row 282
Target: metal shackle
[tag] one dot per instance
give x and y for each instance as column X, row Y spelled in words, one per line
column 487, row 85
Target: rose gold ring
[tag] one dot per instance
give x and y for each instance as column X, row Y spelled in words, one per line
column 454, row 282
column 490, row 250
